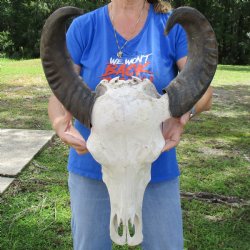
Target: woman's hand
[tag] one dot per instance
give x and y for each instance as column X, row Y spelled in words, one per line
column 172, row 130
column 68, row 134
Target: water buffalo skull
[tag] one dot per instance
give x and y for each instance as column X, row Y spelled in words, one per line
column 125, row 117
column 125, row 139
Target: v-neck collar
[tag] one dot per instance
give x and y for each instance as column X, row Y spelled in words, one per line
column 138, row 36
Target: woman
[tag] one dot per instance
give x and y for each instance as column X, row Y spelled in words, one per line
column 125, row 38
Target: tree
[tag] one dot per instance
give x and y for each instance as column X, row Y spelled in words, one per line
column 230, row 20
column 21, row 22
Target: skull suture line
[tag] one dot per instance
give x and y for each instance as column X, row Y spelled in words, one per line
column 126, row 136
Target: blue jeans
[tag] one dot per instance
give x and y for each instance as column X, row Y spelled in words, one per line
column 90, row 206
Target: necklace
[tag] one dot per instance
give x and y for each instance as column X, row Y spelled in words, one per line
column 120, row 48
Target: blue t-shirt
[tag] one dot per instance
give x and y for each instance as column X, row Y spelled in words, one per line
column 150, row 54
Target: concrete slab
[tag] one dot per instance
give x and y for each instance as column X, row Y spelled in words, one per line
column 18, row 147
column 4, row 183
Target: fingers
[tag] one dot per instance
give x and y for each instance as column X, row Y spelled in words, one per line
column 78, row 144
column 73, row 141
column 68, row 134
column 73, row 138
column 170, row 144
column 73, row 131
column 173, row 136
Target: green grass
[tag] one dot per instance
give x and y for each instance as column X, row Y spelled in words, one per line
column 231, row 75
column 23, row 95
column 213, row 156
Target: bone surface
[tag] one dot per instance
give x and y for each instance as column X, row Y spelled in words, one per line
column 125, row 139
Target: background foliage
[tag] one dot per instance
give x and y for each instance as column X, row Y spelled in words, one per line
column 21, row 23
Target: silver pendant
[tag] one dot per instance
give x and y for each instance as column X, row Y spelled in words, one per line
column 119, row 54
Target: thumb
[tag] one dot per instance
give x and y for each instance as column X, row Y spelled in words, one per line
column 72, row 131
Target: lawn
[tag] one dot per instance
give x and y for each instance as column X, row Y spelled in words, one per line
column 213, row 156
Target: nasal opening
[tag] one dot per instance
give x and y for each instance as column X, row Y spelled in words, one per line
column 118, row 225
column 134, row 231
column 131, row 228
column 126, row 231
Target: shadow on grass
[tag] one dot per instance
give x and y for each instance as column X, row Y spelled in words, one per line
column 28, row 112
column 236, row 95
column 215, row 150
column 210, row 227
column 223, row 175
column 235, row 129
column 229, row 116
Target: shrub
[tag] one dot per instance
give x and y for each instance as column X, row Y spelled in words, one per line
column 6, row 44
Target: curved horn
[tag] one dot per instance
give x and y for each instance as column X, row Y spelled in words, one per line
column 67, row 86
column 189, row 86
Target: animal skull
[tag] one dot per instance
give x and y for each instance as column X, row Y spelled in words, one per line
column 126, row 115
column 125, row 139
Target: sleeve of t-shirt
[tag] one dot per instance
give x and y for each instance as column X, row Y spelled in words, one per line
column 77, row 37
column 181, row 45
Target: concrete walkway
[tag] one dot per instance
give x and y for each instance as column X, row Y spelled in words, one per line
column 17, row 148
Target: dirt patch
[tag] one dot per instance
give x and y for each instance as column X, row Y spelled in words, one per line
column 212, row 151
column 232, row 95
